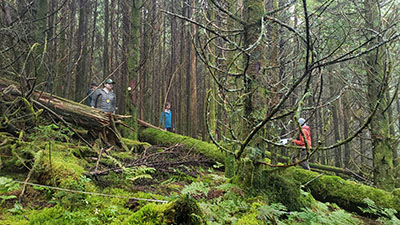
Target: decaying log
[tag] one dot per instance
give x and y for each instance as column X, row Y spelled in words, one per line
column 347, row 194
column 93, row 119
column 76, row 113
column 161, row 137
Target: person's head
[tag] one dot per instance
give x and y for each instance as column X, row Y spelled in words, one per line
column 167, row 105
column 109, row 84
column 302, row 122
column 93, row 85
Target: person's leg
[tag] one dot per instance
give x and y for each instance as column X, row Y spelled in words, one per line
column 304, row 164
column 169, row 129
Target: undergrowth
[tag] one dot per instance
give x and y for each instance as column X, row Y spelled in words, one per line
column 145, row 195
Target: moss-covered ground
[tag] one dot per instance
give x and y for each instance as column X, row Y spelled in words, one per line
column 151, row 184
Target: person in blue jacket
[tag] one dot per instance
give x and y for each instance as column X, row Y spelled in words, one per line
column 166, row 117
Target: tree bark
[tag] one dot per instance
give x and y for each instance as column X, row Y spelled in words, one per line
column 335, row 119
column 106, row 61
column 81, row 53
column 377, row 84
column 133, row 69
column 193, row 77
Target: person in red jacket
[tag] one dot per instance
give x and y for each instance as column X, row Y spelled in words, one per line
column 303, row 144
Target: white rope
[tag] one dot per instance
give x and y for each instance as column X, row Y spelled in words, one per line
column 91, row 193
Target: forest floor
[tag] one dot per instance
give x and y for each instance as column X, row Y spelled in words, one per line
column 67, row 183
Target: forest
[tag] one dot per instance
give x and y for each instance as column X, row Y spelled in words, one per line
column 209, row 100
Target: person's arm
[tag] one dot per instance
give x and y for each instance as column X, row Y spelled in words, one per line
column 114, row 103
column 95, row 96
column 172, row 123
column 161, row 119
column 300, row 140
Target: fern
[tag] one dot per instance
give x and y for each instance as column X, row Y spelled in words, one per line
column 226, row 186
column 195, row 188
column 386, row 215
column 115, row 161
column 271, row 212
column 7, row 185
column 140, row 172
column 322, row 214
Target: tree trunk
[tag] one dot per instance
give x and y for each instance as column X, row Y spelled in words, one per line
column 91, row 76
column 52, row 46
column 106, row 63
column 42, row 8
column 379, row 127
column 62, row 56
column 273, row 76
column 71, row 72
column 133, row 69
column 81, row 53
column 193, row 78
column 254, row 9
column 335, row 119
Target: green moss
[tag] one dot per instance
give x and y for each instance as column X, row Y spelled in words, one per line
column 230, row 165
column 183, row 211
column 150, row 214
column 157, row 137
column 281, row 188
column 347, row 194
column 135, row 146
column 274, row 184
column 60, row 166
column 250, row 219
column 123, row 156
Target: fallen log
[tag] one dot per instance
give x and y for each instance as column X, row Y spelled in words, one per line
column 161, row 137
column 347, row 194
column 73, row 112
column 101, row 124
column 169, row 138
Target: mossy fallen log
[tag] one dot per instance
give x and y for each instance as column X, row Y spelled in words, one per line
column 347, row 194
column 344, row 173
column 159, row 137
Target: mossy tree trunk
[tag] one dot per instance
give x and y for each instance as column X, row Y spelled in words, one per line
column 254, row 9
column 133, row 68
column 273, row 75
column 42, row 8
column 213, row 87
column 253, row 62
column 377, row 83
column 193, row 77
